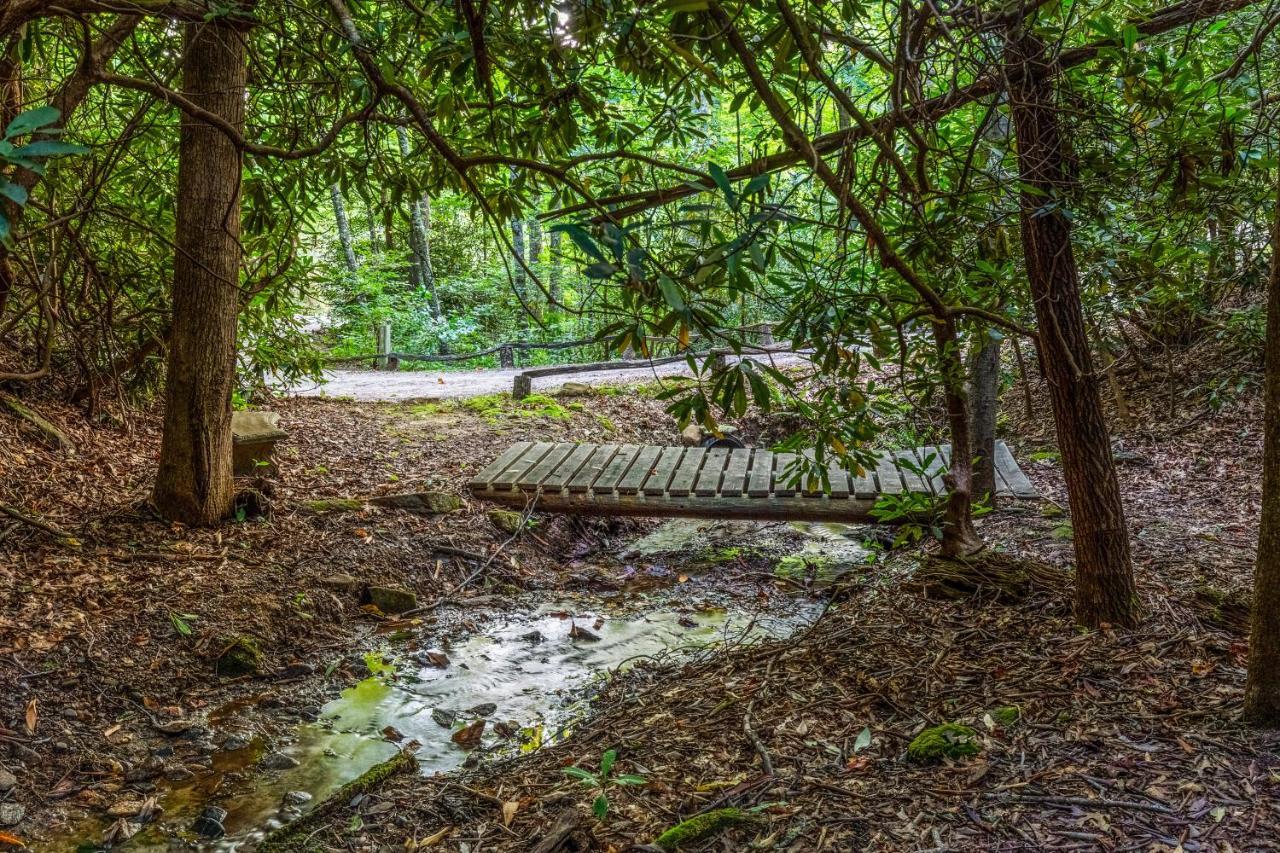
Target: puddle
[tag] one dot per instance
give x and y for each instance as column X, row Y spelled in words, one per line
column 528, row 667
column 830, row 551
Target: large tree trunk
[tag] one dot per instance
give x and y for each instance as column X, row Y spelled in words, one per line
column 194, row 484
column 959, row 537
column 1104, row 572
column 1262, row 688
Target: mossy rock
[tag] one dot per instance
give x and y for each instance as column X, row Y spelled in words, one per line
column 389, row 599
column 949, row 740
column 323, row 505
column 703, row 826
column 575, row 389
column 506, row 520
column 240, row 656
column 424, row 503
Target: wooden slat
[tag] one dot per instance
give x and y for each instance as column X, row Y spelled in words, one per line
column 683, row 479
column 612, row 473
column 913, row 481
column 1018, row 481
column 508, row 478
column 839, row 480
column 497, row 466
column 863, row 485
column 782, row 476
column 582, row 481
column 535, row 475
column 566, row 469
column 887, row 475
column 708, row 482
column 735, row 473
column 761, row 478
column 656, row 483
column 930, row 457
column 639, row 471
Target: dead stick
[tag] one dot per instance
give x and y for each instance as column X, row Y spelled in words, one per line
column 34, row 522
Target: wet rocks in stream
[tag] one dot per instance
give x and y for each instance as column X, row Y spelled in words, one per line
column 209, row 823
column 278, row 761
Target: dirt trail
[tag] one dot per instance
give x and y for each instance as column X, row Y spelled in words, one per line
column 376, row 385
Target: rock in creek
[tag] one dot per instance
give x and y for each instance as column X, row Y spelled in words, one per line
column 240, row 656
column 444, row 717
column 484, row 709
column 209, row 823
column 278, row 761
column 296, row 798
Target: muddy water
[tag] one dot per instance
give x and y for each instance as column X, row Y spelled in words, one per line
column 530, row 672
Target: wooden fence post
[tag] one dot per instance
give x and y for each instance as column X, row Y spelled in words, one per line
column 506, row 357
column 766, row 335
column 522, row 387
column 384, row 345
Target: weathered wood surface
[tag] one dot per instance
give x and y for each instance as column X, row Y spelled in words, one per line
column 610, row 479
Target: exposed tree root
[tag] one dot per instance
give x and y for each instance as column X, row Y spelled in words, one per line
column 994, row 574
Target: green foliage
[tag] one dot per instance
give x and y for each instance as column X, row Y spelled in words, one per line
column 602, row 781
column 949, row 740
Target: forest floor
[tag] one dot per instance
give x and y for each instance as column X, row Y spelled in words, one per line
column 1123, row 740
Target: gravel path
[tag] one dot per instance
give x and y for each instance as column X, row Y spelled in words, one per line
column 374, row 385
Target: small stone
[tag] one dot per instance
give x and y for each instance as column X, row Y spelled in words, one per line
column 297, row 669
column 279, row 761
column 533, row 637
column 577, row 632
column 7, row 781
column 390, row 600
column 296, row 798
column 444, row 717
column 484, row 709
column 125, row 808
column 949, row 740
column 172, row 727
column 424, row 503
column 506, row 520
column 575, row 389
column 434, row 658
column 341, row 582
column 209, row 823
column 691, row 436
column 11, row 814
column 179, row 774
column 235, row 742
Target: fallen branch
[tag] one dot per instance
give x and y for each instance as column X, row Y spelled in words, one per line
column 1082, row 802
column 47, row 527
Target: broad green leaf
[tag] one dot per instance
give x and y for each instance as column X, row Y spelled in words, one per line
column 30, row 121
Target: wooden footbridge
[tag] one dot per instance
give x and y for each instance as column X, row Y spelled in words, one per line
column 718, row 482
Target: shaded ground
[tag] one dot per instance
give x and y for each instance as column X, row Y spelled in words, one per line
column 371, row 385
column 1119, row 740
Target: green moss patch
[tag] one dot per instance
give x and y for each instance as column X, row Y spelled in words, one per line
column 702, row 826
column 949, row 740
column 506, row 520
column 1006, row 715
column 240, row 656
column 322, row 505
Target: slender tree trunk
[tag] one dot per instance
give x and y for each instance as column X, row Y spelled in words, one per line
column 1262, row 688
column 194, row 484
column 420, row 212
column 984, row 405
column 519, row 277
column 555, row 284
column 1105, row 589
column 959, row 537
column 344, row 228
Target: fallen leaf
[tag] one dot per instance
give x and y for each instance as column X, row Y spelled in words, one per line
column 468, row 737
column 11, row 840
column 33, row 717
column 509, row 809
column 430, row 841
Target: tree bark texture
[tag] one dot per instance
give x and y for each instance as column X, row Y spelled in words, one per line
column 1105, row 589
column 1262, row 687
column 959, row 537
column 344, row 228
column 194, row 484
column 555, row 283
column 984, row 403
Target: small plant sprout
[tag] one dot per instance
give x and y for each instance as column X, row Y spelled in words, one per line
column 603, row 781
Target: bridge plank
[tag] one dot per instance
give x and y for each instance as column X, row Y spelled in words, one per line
column 708, row 482
column 1018, row 481
column 566, row 469
column 761, row 477
column 735, row 473
column 639, row 470
column 497, row 466
column 612, row 474
column 783, row 473
column 888, row 475
column 535, row 475
column 508, row 478
column 582, row 481
column 913, row 481
column 863, row 485
column 838, row 479
column 682, row 480
column 656, row 484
